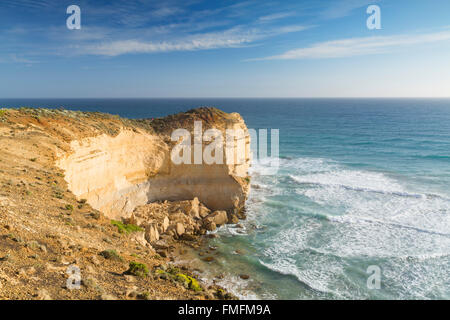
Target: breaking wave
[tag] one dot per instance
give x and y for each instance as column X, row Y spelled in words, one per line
column 335, row 218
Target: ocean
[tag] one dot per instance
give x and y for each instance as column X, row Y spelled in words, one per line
column 363, row 185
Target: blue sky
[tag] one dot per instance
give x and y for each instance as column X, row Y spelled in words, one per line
column 195, row 48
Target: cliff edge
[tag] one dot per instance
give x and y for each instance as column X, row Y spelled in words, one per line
column 117, row 173
column 103, row 195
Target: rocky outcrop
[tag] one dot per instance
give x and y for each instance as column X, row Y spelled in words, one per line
column 178, row 220
column 116, row 174
column 46, row 231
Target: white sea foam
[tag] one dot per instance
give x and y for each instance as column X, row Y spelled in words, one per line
column 308, row 278
column 302, row 165
column 353, row 180
column 340, row 216
column 318, row 272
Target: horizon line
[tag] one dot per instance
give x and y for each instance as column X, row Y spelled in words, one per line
column 176, row 98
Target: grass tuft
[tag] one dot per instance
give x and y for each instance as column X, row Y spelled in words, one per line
column 126, row 228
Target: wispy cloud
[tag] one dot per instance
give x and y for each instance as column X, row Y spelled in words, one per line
column 148, row 26
column 339, row 9
column 231, row 38
column 167, row 11
column 18, row 59
column 276, row 16
column 360, row 46
column 29, row 4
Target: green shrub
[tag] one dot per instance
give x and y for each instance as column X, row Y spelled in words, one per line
column 174, row 273
column 111, row 255
column 126, row 228
column 69, row 207
column 173, row 270
column 137, row 269
column 188, row 281
column 58, row 195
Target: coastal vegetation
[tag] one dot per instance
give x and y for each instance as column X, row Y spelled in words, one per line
column 137, row 269
column 125, row 228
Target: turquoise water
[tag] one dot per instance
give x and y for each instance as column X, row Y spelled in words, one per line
column 361, row 183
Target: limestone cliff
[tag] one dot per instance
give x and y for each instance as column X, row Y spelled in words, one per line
column 117, row 173
column 62, row 171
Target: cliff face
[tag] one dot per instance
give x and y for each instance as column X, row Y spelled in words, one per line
column 115, row 174
column 52, row 160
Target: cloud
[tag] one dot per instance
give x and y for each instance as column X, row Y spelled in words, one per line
column 18, row 59
column 276, row 16
column 231, row 38
column 359, row 46
column 343, row 8
column 150, row 26
column 28, row 4
column 121, row 47
column 164, row 12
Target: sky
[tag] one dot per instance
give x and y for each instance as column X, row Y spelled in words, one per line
column 224, row 48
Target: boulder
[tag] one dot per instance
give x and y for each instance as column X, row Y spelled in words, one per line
column 218, row 217
column 210, row 226
column 165, row 224
column 139, row 237
column 192, row 208
column 241, row 214
column 190, row 228
column 180, row 229
column 177, row 216
column 236, row 202
column 151, row 233
column 233, row 219
column 203, row 211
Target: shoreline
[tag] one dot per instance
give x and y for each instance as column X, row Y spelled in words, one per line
column 210, row 276
column 208, row 260
column 47, row 228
